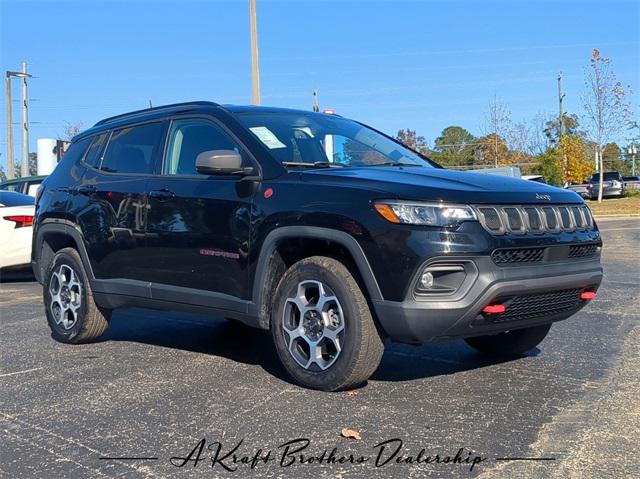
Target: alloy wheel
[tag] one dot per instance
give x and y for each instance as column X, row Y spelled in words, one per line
column 314, row 323
column 66, row 296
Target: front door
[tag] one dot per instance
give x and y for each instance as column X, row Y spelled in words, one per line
column 198, row 226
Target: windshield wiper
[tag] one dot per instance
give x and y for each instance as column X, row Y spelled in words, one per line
column 394, row 163
column 317, row 164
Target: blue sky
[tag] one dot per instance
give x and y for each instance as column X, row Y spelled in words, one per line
column 419, row 65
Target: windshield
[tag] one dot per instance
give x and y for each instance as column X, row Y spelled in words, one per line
column 320, row 140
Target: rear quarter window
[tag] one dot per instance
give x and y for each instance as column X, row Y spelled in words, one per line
column 94, row 155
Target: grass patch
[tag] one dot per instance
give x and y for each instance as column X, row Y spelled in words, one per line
column 616, row 206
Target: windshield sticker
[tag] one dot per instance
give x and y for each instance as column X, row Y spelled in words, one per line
column 267, row 137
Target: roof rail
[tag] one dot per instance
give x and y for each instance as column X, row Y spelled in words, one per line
column 156, row 108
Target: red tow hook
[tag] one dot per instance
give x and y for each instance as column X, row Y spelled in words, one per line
column 494, row 309
column 587, row 295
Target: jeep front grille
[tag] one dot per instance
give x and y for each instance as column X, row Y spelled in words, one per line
column 544, row 254
column 518, row 219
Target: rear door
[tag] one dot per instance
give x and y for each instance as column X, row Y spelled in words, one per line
column 111, row 203
column 198, row 226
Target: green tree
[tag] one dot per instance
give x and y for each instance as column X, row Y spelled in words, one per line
column 550, row 166
column 454, row 147
column 613, row 159
column 571, row 127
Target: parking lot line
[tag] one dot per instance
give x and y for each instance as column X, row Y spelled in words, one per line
column 20, row 372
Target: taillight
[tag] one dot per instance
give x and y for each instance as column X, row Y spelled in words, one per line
column 20, row 220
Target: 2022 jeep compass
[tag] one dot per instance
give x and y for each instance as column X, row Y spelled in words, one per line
column 327, row 232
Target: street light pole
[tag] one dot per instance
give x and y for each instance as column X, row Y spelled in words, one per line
column 255, row 70
column 25, row 124
column 632, row 151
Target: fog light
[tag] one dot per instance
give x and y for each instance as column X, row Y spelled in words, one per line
column 426, row 281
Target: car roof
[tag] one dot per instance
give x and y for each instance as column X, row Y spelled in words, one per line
column 160, row 112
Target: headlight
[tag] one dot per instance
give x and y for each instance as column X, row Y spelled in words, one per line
column 429, row 214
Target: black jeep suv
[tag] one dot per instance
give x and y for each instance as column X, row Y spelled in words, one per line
column 327, row 232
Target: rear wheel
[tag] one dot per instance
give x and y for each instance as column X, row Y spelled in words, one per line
column 322, row 327
column 72, row 314
column 510, row 343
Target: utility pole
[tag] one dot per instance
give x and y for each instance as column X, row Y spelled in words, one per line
column 561, row 121
column 561, row 112
column 25, row 124
column 7, row 85
column 255, row 70
column 25, row 128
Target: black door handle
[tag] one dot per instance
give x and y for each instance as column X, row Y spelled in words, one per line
column 161, row 195
column 86, row 190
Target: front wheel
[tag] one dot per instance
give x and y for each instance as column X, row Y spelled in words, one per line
column 510, row 343
column 322, row 327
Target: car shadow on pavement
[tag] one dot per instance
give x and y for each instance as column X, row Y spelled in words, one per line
column 246, row 345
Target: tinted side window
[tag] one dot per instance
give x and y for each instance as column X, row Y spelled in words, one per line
column 132, row 149
column 190, row 137
column 94, row 155
column 76, row 150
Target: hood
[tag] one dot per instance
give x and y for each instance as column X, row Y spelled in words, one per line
column 436, row 184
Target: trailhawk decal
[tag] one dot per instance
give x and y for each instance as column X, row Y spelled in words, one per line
column 219, row 253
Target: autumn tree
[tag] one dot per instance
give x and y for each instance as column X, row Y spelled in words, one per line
column 497, row 125
column 411, row 139
column 577, row 166
column 606, row 108
column 490, row 150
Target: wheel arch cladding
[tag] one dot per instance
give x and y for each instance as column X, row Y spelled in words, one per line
column 276, row 251
column 52, row 237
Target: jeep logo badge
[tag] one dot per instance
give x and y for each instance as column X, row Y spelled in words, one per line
column 543, row 197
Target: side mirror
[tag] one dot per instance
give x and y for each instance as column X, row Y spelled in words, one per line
column 221, row 162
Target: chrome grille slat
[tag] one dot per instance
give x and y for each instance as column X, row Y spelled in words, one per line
column 534, row 219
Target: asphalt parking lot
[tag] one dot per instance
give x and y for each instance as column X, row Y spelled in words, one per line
column 157, row 384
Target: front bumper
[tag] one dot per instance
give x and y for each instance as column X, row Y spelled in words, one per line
column 418, row 320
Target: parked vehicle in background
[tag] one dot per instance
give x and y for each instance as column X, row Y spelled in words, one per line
column 583, row 189
column 27, row 185
column 16, row 220
column 324, row 231
column 612, row 186
column 631, row 182
column 536, row 178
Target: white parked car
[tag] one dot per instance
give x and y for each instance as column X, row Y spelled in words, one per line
column 16, row 227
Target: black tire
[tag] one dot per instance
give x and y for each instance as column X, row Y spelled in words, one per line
column 361, row 345
column 511, row 343
column 91, row 320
